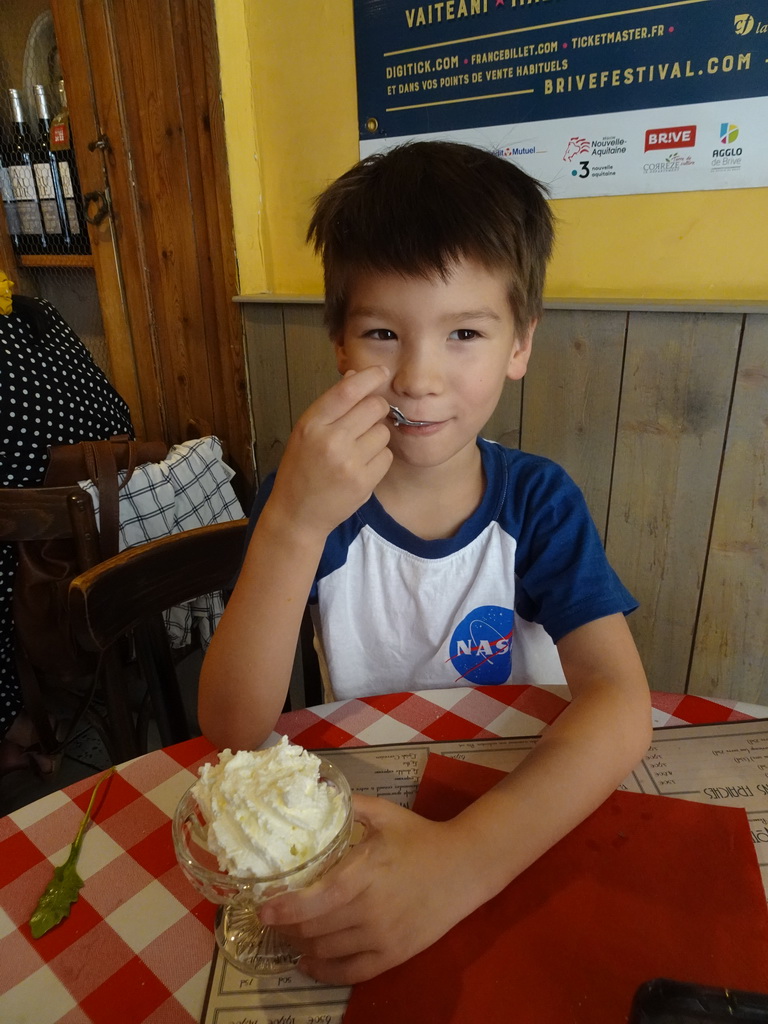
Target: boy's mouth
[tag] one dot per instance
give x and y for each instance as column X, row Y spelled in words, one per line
column 402, row 421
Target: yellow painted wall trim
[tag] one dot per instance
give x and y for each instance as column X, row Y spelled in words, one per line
column 233, row 26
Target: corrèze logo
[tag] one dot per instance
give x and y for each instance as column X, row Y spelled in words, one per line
column 670, row 138
column 728, row 133
column 481, row 645
column 576, row 147
column 743, row 24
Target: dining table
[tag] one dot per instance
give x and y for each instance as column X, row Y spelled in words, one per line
column 138, row 943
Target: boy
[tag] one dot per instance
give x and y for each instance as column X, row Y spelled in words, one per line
column 432, row 558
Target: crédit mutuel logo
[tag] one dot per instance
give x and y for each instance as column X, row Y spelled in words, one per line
column 509, row 152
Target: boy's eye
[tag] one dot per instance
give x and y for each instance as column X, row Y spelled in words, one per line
column 381, row 334
column 463, row 334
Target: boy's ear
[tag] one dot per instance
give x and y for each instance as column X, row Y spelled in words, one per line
column 521, row 351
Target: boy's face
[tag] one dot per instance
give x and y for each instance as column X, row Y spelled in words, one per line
column 449, row 346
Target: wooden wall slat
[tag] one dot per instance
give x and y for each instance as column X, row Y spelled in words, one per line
column 208, row 182
column 152, row 99
column 676, row 391
column 571, row 398
column 504, row 425
column 268, row 373
column 310, row 357
column 731, row 650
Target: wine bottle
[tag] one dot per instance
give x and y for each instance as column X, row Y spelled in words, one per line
column 12, row 220
column 33, row 239
column 49, row 184
column 60, row 141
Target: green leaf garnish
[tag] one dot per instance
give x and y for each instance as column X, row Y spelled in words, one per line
column 61, row 892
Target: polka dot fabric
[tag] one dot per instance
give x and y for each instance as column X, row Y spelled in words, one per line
column 51, row 392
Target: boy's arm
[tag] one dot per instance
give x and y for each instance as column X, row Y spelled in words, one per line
column 334, row 458
column 411, row 880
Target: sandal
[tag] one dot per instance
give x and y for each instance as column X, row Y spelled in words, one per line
column 13, row 757
column 21, row 749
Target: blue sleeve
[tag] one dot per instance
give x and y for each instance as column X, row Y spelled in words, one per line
column 564, row 577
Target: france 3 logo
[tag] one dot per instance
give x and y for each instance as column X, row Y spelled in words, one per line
column 576, row 147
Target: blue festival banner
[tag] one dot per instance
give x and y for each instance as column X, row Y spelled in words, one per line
column 623, row 98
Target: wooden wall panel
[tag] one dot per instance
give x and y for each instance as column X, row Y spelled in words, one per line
column 571, row 398
column 676, row 391
column 731, row 652
column 636, row 407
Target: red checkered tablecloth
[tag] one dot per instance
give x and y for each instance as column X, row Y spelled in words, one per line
column 138, row 943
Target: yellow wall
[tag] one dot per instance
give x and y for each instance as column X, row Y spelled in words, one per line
column 288, row 83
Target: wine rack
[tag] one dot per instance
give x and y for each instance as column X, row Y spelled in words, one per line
column 58, row 267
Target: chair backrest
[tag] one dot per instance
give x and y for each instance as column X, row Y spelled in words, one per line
column 129, row 593
column 115, row 596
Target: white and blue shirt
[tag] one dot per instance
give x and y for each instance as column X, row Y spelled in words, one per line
column 393, row 611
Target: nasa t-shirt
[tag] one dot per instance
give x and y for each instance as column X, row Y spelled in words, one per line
column 395, row 612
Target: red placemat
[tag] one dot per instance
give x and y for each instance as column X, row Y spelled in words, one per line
column 647, row 886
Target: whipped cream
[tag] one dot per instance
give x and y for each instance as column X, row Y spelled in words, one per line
column 267, row 811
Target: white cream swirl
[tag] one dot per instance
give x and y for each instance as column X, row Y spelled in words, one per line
column 267, row 810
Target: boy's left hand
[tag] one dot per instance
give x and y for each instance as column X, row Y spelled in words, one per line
column 394, row 894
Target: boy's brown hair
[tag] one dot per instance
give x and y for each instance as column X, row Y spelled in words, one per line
column 419, row 207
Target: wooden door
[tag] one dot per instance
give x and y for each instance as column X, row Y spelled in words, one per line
column 143, row 88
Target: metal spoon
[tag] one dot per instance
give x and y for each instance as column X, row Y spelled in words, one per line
column 403, row 421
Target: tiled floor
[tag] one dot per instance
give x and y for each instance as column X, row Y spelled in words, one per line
column 86, row 755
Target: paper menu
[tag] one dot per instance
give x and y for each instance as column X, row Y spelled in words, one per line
column 719, row 764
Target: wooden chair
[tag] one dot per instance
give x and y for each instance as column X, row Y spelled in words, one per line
column 52, row 514
column 128, row 594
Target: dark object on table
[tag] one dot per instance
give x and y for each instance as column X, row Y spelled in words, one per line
column 663, row 1001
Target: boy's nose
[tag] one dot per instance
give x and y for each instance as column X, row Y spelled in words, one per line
column 417, row 374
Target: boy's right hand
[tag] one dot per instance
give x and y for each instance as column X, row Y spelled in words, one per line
column 336, row 454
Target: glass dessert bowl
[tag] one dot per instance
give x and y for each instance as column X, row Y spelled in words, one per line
column 252, row 947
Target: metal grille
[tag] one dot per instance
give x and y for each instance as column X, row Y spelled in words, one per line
column 43, row 210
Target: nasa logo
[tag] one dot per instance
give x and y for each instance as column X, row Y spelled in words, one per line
column 481, row 645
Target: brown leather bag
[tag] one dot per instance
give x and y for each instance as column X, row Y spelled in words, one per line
column 46, row 568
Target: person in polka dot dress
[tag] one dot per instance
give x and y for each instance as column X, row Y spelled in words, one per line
column 51, row 392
